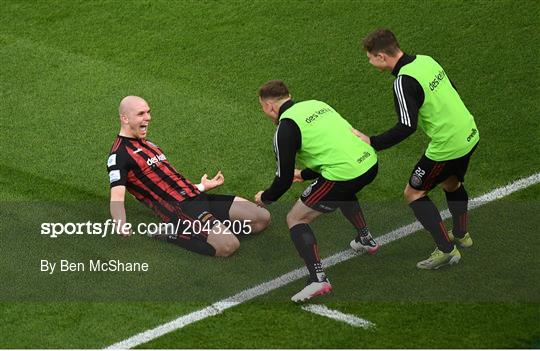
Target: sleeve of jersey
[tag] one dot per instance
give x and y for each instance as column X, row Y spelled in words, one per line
column 286, row 143
column 408, row 98
column 117, row 167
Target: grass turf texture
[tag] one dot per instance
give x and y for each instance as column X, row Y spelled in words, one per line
column 487, row 301
column 65, row 65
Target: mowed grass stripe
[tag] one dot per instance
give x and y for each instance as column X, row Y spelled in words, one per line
column 298, row 273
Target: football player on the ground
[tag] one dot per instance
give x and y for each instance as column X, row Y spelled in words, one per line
column 340, row 162
column 140, row 166
column 424, row 96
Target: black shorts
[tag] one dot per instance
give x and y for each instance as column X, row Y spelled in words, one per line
column 428, row 173
column 192, row 214
column 325, row 195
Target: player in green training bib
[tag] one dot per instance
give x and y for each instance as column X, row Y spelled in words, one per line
column 314, row 134
column 424, row 96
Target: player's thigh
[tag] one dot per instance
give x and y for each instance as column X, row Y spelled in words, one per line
column 300, row 213
column 205, row 224
column 357, row 184
column 241, row 211
column 458, row 170
column 345, row 192
column 411, row 194
column 425, row 175
column 323, row 195
column 223, row 241
column 195, row 209
column 220, row 205
column 451, row 184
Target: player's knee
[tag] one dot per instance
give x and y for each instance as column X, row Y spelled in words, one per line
column 291, row 220
column 451, row 184
column 410, row 194
column 294, row 219
column 261, row 221
column 227, row 248
column 406, row 194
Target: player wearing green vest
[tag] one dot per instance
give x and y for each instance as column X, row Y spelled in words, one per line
column 424, row 96
column 329, row 148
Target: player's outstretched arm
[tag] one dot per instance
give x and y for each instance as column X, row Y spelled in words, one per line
column 286, row 142
column 118, row 210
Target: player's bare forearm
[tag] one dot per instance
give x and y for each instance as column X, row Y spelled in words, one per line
column 362, row 136
column 117, row 208
column 118, row 211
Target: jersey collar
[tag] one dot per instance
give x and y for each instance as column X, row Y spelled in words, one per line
column 405, row 59
column 285, row 106
column 130, row 138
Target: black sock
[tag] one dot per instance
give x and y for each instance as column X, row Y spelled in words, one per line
column 457, row 204
column 306, row 245
column 353, row 212
column 426, row 212
column 196, row 244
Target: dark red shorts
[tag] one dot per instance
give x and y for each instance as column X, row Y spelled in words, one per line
column 325, row 195
column 193, row 213
column 428, row 173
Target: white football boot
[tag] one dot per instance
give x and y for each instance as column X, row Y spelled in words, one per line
column 313, row 289
column 365, row 243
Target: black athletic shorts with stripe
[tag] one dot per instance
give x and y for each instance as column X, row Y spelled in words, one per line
column 192, row 215
column 428, row 173
column 325, row 195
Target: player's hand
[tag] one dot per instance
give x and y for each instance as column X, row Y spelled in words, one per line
column 127, row 234
column 218, row 180
column 362, row 136
column 297, row 178
column 125, row 231
column 258, row 199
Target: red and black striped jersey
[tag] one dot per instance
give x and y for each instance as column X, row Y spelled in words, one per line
column 143, row 169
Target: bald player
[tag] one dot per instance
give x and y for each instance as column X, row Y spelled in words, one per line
column 140, row 167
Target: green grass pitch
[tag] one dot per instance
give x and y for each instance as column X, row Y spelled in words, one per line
column 64, row 66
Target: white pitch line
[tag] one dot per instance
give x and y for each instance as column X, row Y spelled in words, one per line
column 261, row 289
column 350, row 319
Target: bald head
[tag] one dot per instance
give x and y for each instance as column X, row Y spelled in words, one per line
column 130, row 103
column 134, row 117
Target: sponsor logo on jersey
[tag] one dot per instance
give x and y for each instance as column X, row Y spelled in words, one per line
column 153, row 160
column 317, row 114
column 114, row 176
column 473, row 133
column 437, row 80
column 112, row 160
column 364, row 157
